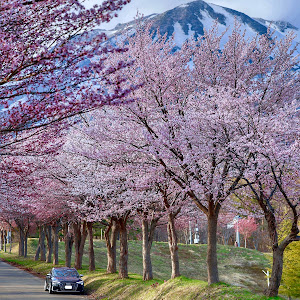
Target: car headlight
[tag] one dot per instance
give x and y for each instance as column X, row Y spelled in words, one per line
column 80, row 282
column 55, row 281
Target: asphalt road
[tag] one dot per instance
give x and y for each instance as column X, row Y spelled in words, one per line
column 16, row 284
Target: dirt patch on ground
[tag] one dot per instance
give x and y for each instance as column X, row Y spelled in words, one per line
column 247, row 277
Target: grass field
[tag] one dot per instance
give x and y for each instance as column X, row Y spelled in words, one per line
column 240, row 270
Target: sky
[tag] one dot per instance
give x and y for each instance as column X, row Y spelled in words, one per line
column 287, row 10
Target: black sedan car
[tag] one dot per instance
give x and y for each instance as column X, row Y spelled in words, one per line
column 64, row 280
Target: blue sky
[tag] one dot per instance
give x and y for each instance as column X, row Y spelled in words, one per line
column 287, row 10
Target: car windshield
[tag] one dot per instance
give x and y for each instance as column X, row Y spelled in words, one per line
column 65, row 273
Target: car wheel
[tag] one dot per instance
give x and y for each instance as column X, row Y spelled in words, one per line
column 45, row 286
column 50, row 289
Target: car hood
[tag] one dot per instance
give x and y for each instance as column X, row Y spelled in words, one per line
column 68, row 279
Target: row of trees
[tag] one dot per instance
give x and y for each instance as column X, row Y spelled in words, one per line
column 208, row 130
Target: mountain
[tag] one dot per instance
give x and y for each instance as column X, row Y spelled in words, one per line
column 191, row 19
column 281, row 26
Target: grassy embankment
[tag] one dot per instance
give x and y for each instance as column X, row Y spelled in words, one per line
column 240, row 270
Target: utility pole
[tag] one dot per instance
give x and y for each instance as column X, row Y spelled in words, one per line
column 237, row 234
column 191, row 235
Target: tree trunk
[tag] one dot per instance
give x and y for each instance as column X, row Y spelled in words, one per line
column 48, row 233
column 77, row 238
column 212, row 263
column 82, row 243
column 272, row 290
column 91, row 247
column 69, row 240
column 5, row 240
column 55, row 231
column 1, row 240
column 278, row 250
column 10, row 239
column 37, row 252
column 25, row 242
column 111, row 234
column 21, row 242
column 80, row 234
column 123, row 263
column 42, row 243
column 148, row 234
column 173, row 247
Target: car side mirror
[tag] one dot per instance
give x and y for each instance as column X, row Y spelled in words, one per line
column 80, row 275
column 48, row 275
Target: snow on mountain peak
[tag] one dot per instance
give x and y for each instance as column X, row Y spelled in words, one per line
column 191, row 19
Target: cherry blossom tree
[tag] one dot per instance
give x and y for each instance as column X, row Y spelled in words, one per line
column 275, row 187
column 15, row 207
column 51, row 211
column 101, row 159
column 51, row 69
column 67, row 207
column 198, row 122
column 150, row 211
column 154, row 194
column 104, row 192
column 50, row 65
column 246, row 227
column 173, row 200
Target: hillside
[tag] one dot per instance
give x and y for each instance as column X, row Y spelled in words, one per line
column 237, row 266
